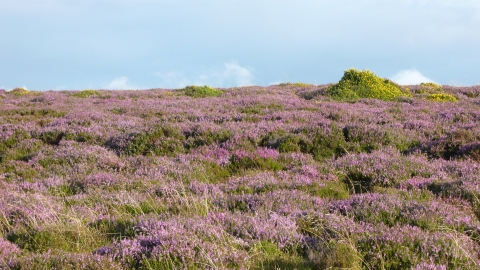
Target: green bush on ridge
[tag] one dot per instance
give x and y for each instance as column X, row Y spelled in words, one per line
column 19, row 91
column 201, row 91
column 357, row 84
column 429, row 88
column 442, row 97
column 86, row 93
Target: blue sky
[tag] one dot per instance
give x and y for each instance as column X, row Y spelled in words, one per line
column 127, row 44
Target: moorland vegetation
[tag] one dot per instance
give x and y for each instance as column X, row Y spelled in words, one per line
column 362, row 174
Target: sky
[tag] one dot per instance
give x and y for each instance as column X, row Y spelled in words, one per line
column 143, row 44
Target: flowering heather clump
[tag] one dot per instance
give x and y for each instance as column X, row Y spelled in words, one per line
column 7, row 249
column 277, row 177
column 383, row 168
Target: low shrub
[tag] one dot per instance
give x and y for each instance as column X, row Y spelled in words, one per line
column 86, row 93
column 429, row 88
column 197, row 137
column 201, row 91
column 320, row 144
column 441, row 97
column 408, row 246
column 19, row 91
column 456, row 144
column 383, row 168
column 357, row 84
column 10, row 137
column 158, row 141
column 260, row 108
column 296, row 84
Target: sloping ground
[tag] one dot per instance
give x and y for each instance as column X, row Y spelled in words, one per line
column 256, row 177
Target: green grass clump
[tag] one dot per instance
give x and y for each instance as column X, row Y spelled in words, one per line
column 86, row 93
column 201, row 91
column 357, row 84
column 441, row 97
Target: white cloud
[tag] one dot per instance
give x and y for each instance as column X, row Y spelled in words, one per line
column 242, row 76
column 120, row 83
column 232, row 74
column 409, row 77
column 173, row 79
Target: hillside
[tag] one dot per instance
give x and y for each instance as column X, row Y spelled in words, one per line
column 255, row 177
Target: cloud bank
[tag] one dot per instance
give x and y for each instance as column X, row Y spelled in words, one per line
column 410, row 77
column 120, row 83
column 231, row 75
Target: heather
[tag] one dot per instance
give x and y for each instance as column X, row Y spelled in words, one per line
column 280, row 177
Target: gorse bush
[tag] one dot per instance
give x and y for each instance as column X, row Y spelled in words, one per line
column 441, row 97
column 86, row 93
column 19, row 91
column 357, row 84
column 296, row 84
column 429, row 88
column 201, row 91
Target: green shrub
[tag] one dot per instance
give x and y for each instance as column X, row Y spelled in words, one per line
column 321, row 145
column 197, row 137
column 201, row 91
column 158, row 141
column 328, row 145
column 260, row 108
column 357, row 84
column 297, row 84
column 429, row 88
column 11, row 142
column 52, row 137
column 454, row 142
column 86, row 93
column 441, row 97
column 19, row 91
column 22, row 150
